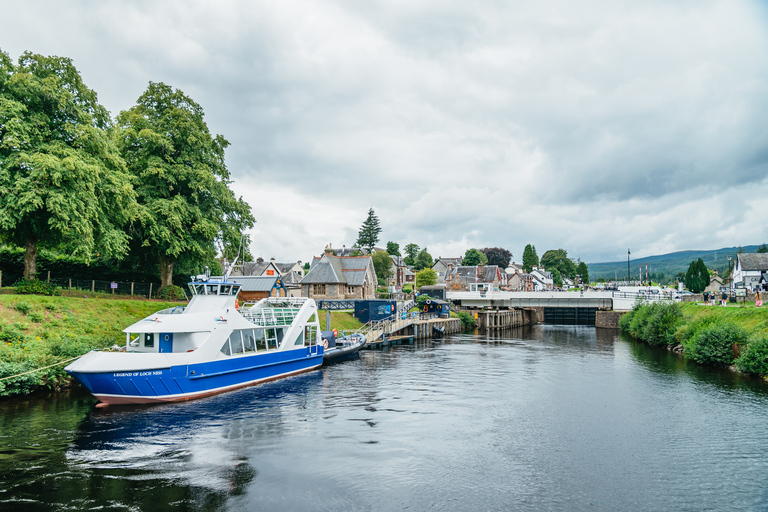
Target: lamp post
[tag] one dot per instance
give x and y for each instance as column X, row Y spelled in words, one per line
column 628, row 253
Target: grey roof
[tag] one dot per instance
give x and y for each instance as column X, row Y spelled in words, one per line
column 335, row 269
column 753, row 261
column 254, row 283
column 253, row 268
column 284, row 268
column 471, row 273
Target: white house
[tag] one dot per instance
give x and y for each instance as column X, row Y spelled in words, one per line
column 749, row 269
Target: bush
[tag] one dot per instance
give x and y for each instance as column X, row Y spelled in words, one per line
column 22, row 307
column 754, row 357
column 653, row 323
column 36, row 317
column 715, row 343
column 467, row 320
column 23, row 384
column 171, row 292
column 36, row 287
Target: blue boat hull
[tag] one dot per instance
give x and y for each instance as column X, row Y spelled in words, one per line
column 185, row 382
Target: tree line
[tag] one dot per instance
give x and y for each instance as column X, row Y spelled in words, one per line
column 555, row 260
column 149, row 188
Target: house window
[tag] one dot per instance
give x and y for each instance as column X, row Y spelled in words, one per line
column 319, row 289
column 350, row 290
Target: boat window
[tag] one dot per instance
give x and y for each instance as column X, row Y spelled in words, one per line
column 261, row 341
column 235, row 289
column 299, row 339
column 271, row 339
column 192, row 289
column 310, row 334
column 212, row 289
column 149, row 340
column 249, row 341
column 235, row 340
column 225, row 289
column 225, row 348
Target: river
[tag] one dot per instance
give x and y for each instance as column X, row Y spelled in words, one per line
column 537, row 418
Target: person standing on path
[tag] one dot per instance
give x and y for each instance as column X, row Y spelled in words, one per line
column 723, row 298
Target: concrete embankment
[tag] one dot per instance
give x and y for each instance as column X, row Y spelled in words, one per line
column 608, row 319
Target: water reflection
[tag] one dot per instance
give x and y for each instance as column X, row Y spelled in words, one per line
column 539, row 418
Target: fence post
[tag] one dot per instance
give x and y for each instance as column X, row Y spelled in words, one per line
column 1, row 278
column 93, row 287
column 70, row 286
column 49, row 276
column 150, row 290
column 131, row 290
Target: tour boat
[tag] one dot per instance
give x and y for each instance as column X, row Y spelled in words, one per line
column 210, row 346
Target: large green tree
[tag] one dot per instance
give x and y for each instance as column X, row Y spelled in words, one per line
column 368, row 236
column 583, row 271
column 423, row 260
column 697, row 276
column 497, row 256
column 411, row 251
column 558, row 258
column 474, row 257
column 393, row 249
column 186, row 205
column 382, row 264
column 530, row 258
column 62, row 180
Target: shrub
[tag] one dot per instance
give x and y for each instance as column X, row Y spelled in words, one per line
column 22, row 384
column 714, row 343
column 653, row 323
column 22, row 307
column 10, row 334
column 36, row 317
column 36, row 287
column 171, row 292
column 467, row 320
column 754, row 357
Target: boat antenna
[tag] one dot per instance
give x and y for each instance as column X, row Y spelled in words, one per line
column 232, row 266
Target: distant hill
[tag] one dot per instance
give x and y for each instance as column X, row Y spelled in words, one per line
column 667, row 264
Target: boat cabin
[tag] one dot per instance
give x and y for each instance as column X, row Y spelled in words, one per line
column 214, row 288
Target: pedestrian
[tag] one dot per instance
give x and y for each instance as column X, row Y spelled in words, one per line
column 723, row 298
column 706, row 298
column 758, row 298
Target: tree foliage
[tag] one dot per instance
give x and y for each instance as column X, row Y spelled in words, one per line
column 425, row 277
column 382, row 264
column 368, row 236
column 530, row 258
column 182, row 182
column 411, row 251
column 763, row 248
column 393, row 249
column 558, row 259
column 497, row 256
column 583, row 271
column 473, row 257
column 423, row 260
column 61, row 176
column 697, row 276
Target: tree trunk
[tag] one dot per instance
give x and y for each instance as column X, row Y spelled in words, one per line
column 30, row 259
column 166, row 271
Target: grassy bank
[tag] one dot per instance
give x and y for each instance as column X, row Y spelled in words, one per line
column 37, row 331
column 733, row 335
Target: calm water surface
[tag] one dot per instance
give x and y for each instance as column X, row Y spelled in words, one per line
column 542, row 418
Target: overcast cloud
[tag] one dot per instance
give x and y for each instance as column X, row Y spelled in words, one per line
column 592, row 126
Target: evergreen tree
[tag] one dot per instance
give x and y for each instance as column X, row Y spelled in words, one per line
column 697, row 276
column 368, row 236
column 583, row 272
column 530, row 258
column 762, row 248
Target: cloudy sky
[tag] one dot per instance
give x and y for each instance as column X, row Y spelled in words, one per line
column 592, row 125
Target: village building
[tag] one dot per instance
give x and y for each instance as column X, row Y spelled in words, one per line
column 336, row 277
column 473, row 278
column 253, row 288
column 751, row 270
column 542, row 280
column 440, row 266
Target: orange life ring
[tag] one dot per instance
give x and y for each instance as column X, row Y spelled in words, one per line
column 237, row 304
column 325, row 344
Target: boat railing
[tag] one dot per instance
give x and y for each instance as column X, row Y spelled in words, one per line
column 270, row 316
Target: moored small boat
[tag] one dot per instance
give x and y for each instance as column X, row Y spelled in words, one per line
column 337, row 349
column 210, row 346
